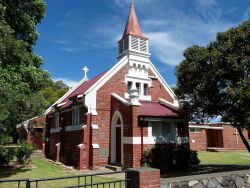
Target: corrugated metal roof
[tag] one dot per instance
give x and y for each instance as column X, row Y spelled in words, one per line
column 81, row 89
column 154, row 109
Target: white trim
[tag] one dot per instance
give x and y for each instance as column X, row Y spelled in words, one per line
column 80, row 96
column 65, row 96
column 124, row 101
column 150, row 140
column 174, row 105
column 80, row 145
column 91, row 93
column 58, row 144
column 205, row 127
column 55, row 130
column 75, row 127
column 93, row 112
column 153, row 77
column 109, row 74
column 95, row 146
column 61, row 104
column 95, row 126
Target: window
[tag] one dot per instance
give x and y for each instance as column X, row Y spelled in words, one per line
column 75, row 116
column 57, row 120
column 195, row 130
column 138, row 86
column 145, row 89
column 164, row 131
column 129, row 86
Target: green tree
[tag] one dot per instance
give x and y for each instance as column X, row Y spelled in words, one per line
column 54, row 91
column 215, row 80
column 21, row 76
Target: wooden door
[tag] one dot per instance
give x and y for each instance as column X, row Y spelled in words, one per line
column 118, row 144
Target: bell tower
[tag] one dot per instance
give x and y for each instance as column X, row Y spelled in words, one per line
column 134, row 45
column 133, row 39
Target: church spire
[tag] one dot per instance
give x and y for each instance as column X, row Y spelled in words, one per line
column 133, row 40
column 132, row 25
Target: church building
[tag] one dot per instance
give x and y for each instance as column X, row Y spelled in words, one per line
column 118, row 114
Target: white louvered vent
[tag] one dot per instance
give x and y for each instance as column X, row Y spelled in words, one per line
column 134, row 43
column 120, row 47
column 125, row 44
column 143, row 45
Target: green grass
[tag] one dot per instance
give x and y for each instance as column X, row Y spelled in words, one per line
column 40, row 168
column 232, row 157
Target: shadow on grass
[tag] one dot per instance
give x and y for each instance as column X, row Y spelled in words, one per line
column 205, row 169
column 8, row 171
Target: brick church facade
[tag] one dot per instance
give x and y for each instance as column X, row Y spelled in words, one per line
column 114, row 117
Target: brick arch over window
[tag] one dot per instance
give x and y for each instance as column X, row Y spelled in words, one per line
column 117, row 121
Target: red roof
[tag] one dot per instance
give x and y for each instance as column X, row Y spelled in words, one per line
column 132, row 25
column 154, row 109
column 81, row 89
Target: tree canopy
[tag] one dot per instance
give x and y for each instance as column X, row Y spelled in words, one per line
column 215, row 80
column 21, row 76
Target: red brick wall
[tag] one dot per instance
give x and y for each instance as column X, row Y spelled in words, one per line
column 144, row 178
column 35, row 137
column 198, row 141
column 229, row 138
column 54, row 139
column 115, row 84
column 69, row 149
column 157, row 90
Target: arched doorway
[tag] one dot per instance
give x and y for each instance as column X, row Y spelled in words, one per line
column 116, row 139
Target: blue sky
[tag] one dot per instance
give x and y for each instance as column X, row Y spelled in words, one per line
column 82, row 33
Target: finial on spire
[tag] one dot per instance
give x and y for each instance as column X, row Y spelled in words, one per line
column 132, row 26
column 86, row 70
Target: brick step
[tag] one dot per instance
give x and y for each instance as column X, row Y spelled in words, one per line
column 113, row 167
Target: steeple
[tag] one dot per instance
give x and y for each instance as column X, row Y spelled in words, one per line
column 132, row 25
column 133, row 40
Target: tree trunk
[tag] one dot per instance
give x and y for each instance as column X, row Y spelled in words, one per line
column 244, row 140
column 14, row 136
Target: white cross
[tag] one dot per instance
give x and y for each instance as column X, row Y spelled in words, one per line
column 85, row 69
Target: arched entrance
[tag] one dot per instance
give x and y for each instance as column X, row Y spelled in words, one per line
column 116, row 139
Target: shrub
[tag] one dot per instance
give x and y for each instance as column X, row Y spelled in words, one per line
column 169, row 157
column 6, row 155
column 24, row 152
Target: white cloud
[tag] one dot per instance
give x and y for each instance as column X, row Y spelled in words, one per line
column 166, row 47
column 168, row 44
column 69, row 82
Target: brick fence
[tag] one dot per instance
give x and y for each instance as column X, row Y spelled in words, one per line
column 144, row 177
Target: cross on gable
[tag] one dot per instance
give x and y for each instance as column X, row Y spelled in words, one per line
column 85, row 69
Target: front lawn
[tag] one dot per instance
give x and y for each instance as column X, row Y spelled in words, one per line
column 230, row 158
column 40, row 168
column 212, row 162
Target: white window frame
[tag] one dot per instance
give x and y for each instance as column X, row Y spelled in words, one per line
column 162, row 138
column 196, row 130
